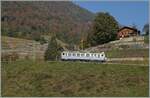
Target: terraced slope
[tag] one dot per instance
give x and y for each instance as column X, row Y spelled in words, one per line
column 131, row 50
column 25, row 48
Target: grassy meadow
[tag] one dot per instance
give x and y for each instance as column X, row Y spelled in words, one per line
column 28, row 78
column 125, row 53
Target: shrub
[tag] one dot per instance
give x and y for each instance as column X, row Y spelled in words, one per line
column 146, row 39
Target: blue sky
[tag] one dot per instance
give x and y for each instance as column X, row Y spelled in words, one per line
column 125, row 12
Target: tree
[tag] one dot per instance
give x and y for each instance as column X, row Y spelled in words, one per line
column 53, row 50
column 146, row 29
column 105, row 29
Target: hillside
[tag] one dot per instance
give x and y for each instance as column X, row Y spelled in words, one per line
column 33, row 19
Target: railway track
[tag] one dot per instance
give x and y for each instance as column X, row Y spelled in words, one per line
column 104, row 63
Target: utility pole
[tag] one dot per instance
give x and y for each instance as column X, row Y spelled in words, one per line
column 82, row 44
column 34, row 51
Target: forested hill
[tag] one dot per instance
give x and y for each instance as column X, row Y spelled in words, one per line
column 33, row 19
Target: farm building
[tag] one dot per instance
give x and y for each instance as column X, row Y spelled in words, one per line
column 127, row 32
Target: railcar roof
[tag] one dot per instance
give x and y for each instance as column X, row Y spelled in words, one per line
column 80, row 52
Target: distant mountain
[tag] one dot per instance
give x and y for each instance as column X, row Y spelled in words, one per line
column 35, row 19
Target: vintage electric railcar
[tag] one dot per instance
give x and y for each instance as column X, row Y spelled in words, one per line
column 83, row 56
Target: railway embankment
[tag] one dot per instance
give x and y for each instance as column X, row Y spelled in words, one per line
column 127, row 50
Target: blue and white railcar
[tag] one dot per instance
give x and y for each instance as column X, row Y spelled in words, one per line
column 86, row 56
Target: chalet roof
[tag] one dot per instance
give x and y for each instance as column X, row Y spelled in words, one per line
column 127, row 28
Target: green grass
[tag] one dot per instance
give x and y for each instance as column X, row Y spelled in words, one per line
column 145, row 62
column 125, row 53
column 28, row 78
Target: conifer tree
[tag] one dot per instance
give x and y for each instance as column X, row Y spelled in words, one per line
column 53, row 51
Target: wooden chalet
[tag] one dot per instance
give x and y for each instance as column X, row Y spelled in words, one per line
column 127, row 32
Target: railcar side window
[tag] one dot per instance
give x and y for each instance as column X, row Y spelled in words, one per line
column 69, row 54
column 87, row 55
column 74, row 54
column 63, row 53
column 99, row 55
column 78, row 54
column 95, row 55
column 82, row 54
